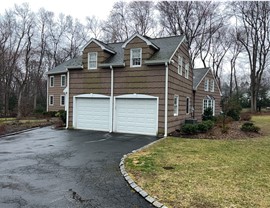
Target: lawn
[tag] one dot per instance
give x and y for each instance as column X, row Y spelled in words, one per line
column 206, row 173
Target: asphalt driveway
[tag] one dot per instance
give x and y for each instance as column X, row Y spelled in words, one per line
column 67, row 168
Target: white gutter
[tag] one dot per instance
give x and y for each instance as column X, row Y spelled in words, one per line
column 67, row 104
column 166, row 100
column 47, row 99
column 111, row 101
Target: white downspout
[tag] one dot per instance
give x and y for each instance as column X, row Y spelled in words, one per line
column 166, row 100
column 111, row 101
column 47, row 99
column 67, row 104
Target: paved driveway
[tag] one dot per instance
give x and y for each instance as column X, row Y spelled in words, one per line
column 66, row 168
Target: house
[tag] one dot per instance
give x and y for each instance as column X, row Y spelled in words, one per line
column 206, row 92
column 143, row 86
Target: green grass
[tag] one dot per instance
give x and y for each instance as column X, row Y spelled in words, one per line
column 206, row 173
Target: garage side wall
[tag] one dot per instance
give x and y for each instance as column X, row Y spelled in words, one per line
column 181, row 86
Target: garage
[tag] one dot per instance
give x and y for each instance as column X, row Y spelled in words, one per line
column 137, row 114
column 92, row 112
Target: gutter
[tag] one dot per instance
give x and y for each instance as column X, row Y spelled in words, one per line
column 166, row 99
column 111, row 100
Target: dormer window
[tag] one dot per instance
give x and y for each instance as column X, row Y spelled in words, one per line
column 135, row 57
column 92, row 60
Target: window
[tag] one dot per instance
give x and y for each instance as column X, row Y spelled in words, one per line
column 92, row 60
column 187, row 105
column 62, row 100
column 212, row 85
column 63, row 80
column 135, row 57
column 187, row 71
column 206, row 84
column 175, row 105
column 180, row 65
column 51, row 100
column 51, row 81
column 209, row 102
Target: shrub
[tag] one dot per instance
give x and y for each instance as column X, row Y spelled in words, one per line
column 207, row 114
column 49, row 113
column 189, row 128
column 250, row 127
column 202, row 127
column 210, row 124
column 62, row 114
column 234, row 114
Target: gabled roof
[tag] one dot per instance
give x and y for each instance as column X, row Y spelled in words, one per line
column 198, row 76
column 145, row 39
column 62, row 68
column 103, row 46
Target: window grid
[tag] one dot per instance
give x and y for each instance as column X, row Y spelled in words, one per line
column 212, row 85
column 187, row 71
column 175, row 105
column 180, row 65
column 51, row 100
column 206, row 84
column 62, row 100
column 136, row 57
column 63, row 80
column 92, row 60
column 51, row 81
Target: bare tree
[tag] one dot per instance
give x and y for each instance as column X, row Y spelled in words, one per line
column 254, row 35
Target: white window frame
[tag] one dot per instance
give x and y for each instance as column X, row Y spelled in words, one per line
column 176, row 105
column 187, row 71
column 180, row 65
column 94, row 61
column 61, row 97
column 51, row 98
column 187, row 105
column 131, row 57
column 206, row 84
column 51, row 81
column 209, row 103
column 63, row 84
column 212, row 85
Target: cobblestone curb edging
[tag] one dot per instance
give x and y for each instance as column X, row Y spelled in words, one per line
column 133, row 185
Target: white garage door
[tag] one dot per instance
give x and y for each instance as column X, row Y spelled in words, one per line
column 92, row 113
column 138, row 116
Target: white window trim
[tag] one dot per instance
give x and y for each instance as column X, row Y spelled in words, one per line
column 213, row 102
column 206, row 83
column 212, row 85
column 188, row 98
column 61, row 100
column 51, row 83
column 51, row 104
column 131, row 53
column 89, row 60
column 187, row 71
column 63, row 85
column 177, row 107
column 180, row 65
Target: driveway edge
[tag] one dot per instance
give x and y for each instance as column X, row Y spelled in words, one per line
column 132, row 183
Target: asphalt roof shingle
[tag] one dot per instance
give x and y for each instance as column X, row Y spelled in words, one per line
column 198, row 75
column 62, row 68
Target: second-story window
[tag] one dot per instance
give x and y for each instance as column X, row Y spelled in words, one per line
column 180, row 65
column 135, row 57
column 51, row 81
column 63, row 80
column 92, row 60
column 187, row 71
column 206, row 84
column 212, row 85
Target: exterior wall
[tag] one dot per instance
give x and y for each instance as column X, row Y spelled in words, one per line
column 200, row 94
column 179, row 85
column 56, row 91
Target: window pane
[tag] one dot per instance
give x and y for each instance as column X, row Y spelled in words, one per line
column 175, row 105
column 136, row 57
column 92, row 60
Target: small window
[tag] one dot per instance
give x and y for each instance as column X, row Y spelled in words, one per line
column 62, row 100
column 212, row 85
column 175, row 105
column 187, row 71
column 180, row 65
column 63, row 80
column 92, row 60
column 51, row 100
column 135, row 57
column 206, row 84
column 51, row 81
column 187, row 105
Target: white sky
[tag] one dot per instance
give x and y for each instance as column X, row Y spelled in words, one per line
column 76, row 8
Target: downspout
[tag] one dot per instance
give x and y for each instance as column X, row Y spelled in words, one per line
column 67, row 118
column 48, row 82
column 111, row 101
column 166, row 100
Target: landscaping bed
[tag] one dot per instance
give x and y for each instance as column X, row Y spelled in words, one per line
column 229, row 171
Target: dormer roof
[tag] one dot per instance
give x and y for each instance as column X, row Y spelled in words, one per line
column 144, row 38
column 103, row 46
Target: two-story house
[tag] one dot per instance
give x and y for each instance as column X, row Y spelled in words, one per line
column 143, row 85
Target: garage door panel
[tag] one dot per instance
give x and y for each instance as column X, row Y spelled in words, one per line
column 136, row 116
column 92, row 113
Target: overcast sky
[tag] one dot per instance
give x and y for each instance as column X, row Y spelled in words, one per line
column 77, row 8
